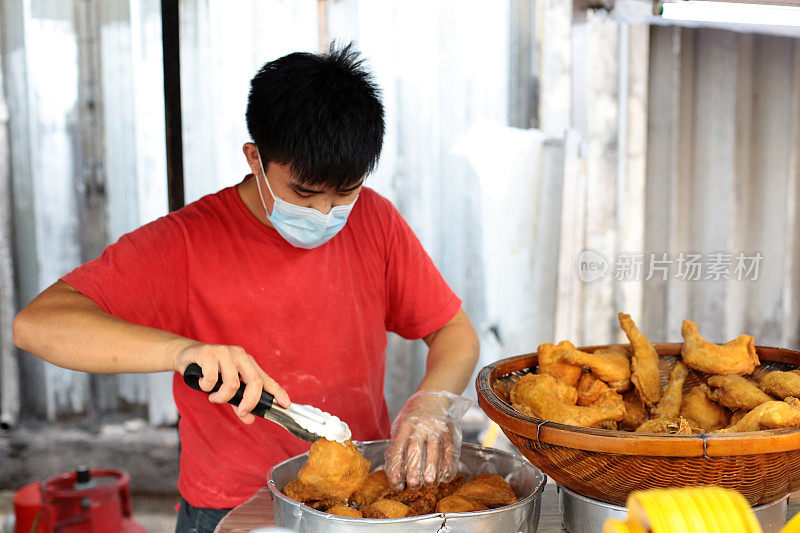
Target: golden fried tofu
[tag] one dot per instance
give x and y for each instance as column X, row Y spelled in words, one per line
column 387, row 509
column 457, row 504
column 490, row 490
column 376, row 484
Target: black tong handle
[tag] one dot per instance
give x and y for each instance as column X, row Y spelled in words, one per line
column 193, row 374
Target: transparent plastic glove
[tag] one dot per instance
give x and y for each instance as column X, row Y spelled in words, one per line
column 426, row 439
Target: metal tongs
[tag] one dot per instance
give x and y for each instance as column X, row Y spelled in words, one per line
column 302, row 421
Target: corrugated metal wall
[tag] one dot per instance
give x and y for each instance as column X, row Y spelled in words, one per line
column 657, row 140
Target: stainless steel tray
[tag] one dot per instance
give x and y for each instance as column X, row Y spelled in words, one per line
column 523, row 517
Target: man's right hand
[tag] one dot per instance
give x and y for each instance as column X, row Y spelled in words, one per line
column 68, row 329
column 234, row 365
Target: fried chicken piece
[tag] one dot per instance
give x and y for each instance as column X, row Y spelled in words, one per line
column 737, row 416
column 344, row 510
column 333, row 470
column 376, row 484
column 670, row 426
column 645, row 374
column 542, row 396
column 551, row 361
column 590, row 389
column 490, row 490
column 457, row 504
column 769, row 415
column 736, row 392
column 446, row 489
column 422, row 500
column 607, row 364
column 635, row 411
column 781, row 384
column 734, row 357
column 699, row 408
column 672, row 396
column 386, row 509
column 525, row 385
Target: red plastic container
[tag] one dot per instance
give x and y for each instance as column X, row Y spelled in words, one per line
column 57, row 505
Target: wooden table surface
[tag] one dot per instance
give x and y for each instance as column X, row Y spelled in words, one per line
column 257, row 512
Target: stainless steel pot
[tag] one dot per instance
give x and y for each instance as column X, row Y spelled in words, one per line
column 585, row 515
column 523, row 517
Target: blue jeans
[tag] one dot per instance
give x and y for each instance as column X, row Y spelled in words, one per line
column 198, row 519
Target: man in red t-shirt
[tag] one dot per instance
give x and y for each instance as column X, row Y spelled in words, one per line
column 287, row 282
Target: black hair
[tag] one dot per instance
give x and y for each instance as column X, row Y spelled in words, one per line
column 319, row 114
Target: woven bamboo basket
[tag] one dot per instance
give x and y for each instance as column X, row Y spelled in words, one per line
column 608, row 465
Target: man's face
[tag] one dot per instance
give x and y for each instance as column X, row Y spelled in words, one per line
column 287, row 187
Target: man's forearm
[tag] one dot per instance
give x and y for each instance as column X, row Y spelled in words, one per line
column 452, row 355
column 68, row 329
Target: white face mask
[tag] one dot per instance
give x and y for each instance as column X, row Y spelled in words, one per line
column 303, row 227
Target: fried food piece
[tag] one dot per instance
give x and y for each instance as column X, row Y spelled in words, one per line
column 670, row 426
column 422, row 500
column 769, row 415
column 296, row 491
column 551, row 361
column 645, row 374
column 781, row 384
column 543, row 396
column 490, row 490
column 736, row 392
column 635, row 411
column 446, row 489
column 611, row 365
column 528, row 382
column 734, row 357
column 457, row 504
column 333, row 470
column 324, row 505
column 699, row 408
column 590, row 389
column 344, row 510
column 387, row 509
column 669, row 406
column 737, row 416
column 376, row 484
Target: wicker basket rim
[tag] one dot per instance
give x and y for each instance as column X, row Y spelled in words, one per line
column 628, row 443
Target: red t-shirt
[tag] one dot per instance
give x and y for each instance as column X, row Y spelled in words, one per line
column 314, row 320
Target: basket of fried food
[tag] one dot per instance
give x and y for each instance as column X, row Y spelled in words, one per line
column 605, row 421
column 343, row 487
